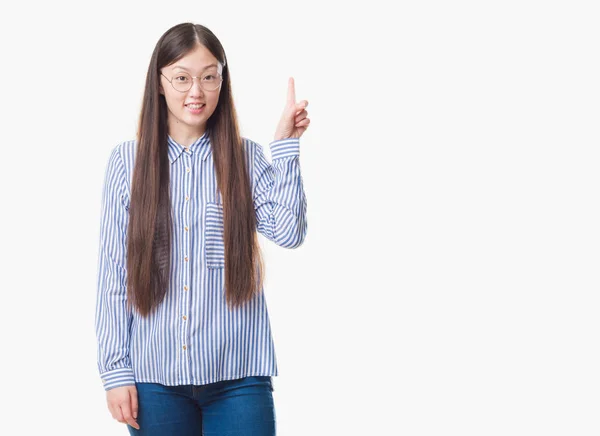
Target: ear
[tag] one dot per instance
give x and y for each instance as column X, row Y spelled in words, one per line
column 161, row 89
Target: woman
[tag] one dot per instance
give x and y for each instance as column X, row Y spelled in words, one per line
column 184, row 339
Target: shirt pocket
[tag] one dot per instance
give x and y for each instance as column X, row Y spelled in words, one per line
column 214, row 247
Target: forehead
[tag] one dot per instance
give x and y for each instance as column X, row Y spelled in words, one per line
column 196, row 61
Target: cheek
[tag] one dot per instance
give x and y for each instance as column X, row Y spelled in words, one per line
column 214, row 102
column 175, row 102
column 211, row 105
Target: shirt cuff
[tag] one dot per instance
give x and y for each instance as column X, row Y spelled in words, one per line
column 118, row 377
column 285, row 148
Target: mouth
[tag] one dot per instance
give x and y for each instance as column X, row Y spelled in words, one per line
column 195, row 108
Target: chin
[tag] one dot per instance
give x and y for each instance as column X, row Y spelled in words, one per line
column 196, row 122
column 193, row 120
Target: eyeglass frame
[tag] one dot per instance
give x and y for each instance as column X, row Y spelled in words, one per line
column 193, row 77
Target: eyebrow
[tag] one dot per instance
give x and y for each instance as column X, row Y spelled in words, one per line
column 184, row 68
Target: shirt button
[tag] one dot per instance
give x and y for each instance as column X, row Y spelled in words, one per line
column 184, row 317
column 186, row 228
column 186, row 259
column 188, row 170
column 185, row 288
column 187, row 198
column 185, row 347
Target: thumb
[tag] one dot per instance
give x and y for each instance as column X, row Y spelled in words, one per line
column 134, row 402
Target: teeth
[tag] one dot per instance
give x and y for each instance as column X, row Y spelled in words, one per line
column 195, row 106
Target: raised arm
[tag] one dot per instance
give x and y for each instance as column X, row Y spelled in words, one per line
column 279, row 198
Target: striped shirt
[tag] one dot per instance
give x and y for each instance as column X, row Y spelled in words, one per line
column 193, row 337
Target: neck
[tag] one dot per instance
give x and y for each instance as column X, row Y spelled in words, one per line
column 185, row 135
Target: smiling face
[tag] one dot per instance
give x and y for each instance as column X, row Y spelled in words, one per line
column 185, row 120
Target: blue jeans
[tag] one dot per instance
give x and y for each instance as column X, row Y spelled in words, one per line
column 240, row 407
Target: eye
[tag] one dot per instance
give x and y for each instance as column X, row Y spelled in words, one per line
column 181, row 78
column 209, row 77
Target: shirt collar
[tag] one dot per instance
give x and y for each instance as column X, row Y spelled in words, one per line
column 200, row 146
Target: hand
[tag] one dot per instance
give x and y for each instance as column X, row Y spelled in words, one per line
column 294, row 121
column 123, row 404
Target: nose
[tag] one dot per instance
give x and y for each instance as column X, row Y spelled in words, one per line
column 196, row 89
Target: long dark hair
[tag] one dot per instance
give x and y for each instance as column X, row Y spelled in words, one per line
column 150, row 214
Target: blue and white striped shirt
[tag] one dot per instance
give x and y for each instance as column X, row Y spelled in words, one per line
column 193, row 337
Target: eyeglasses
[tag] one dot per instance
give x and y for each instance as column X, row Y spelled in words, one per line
column 182, row 82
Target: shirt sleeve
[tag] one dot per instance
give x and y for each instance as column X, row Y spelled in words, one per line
column 279, row 197
column 113, row 319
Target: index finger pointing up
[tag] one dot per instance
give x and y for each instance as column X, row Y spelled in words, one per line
column 291, row 96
